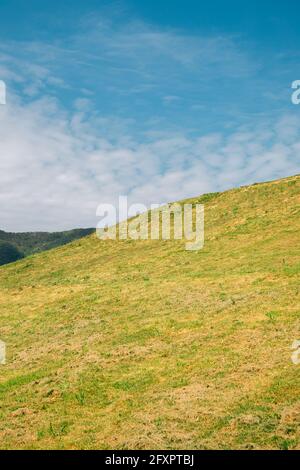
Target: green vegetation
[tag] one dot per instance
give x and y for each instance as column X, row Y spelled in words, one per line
column 9, row 253
column 142, row 344
column 34, row 242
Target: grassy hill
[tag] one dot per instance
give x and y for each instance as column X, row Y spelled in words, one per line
column 34, row 242
column 142, row 344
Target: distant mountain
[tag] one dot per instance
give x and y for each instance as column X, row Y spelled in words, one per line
column 33, row 242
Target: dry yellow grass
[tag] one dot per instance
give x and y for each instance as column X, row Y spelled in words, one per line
column 141, row 344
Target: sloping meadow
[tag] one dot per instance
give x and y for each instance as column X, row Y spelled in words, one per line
column 145, row 345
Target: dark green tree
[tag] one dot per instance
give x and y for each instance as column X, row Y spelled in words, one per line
column 9, row 253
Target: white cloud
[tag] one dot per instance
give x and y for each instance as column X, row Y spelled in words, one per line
column 56, row 167
column 59, row 158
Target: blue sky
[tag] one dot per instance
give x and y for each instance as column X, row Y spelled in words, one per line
column 155, row 100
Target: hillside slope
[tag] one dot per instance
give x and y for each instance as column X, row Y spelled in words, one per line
column 142, row 344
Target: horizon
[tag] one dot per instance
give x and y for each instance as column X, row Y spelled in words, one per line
column 156, row 102
column 149, row 209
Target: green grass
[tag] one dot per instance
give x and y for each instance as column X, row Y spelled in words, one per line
column 142, row 344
